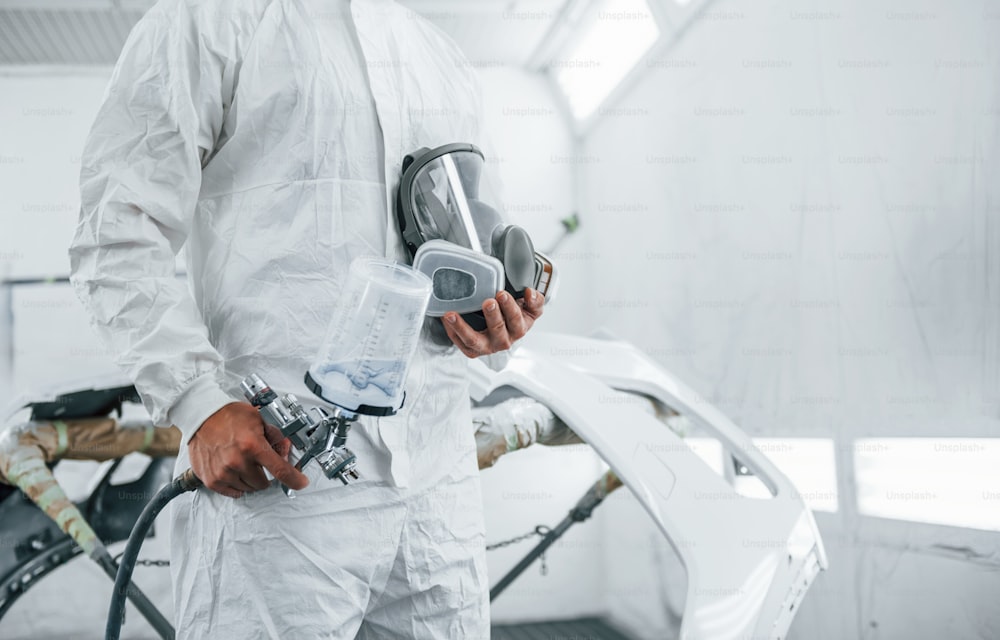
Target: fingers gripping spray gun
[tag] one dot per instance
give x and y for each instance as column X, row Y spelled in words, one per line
column 359, row 370
column 319, row 435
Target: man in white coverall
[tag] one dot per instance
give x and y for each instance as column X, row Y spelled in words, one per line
column 268, row 136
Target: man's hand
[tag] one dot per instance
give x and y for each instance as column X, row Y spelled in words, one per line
column 231, row 447
column 507, row 320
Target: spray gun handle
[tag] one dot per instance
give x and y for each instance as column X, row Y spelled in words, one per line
column 318, row 434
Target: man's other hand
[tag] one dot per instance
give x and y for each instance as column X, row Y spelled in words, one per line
column 507, row 320
column 233, row 447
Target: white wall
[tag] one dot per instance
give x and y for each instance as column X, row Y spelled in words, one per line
column 534, row 152
column 797, row 210
column 45, row 115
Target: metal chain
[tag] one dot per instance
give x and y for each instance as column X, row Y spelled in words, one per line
column 144, row 562
column 540, row 530
column 152, row 563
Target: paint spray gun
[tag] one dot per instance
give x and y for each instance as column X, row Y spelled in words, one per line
column 319, row 435
column 359, row 370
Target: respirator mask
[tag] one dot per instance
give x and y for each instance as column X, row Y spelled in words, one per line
column 454, row 233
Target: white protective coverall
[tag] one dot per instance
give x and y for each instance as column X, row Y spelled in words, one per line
column 268, row 135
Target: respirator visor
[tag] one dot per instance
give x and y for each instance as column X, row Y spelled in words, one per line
column 449, row 201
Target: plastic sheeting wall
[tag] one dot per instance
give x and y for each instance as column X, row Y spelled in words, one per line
column 797, row 210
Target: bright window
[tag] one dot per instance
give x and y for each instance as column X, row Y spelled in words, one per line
column 949, row 481
column 810, row 463
column 612, row 39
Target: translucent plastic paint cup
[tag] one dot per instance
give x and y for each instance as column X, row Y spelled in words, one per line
column 372, row 337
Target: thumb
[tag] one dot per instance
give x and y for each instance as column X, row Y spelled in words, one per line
column 282, row 469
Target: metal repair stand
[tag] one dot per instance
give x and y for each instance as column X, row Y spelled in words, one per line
column 580, row 512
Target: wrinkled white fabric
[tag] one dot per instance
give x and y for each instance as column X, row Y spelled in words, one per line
column 267, row 136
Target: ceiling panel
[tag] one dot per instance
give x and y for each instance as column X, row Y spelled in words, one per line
column 92, row 32
column 63, row 36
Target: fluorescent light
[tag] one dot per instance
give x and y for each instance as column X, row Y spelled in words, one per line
column 810, row 464
column 614, row 37
column 949, row 481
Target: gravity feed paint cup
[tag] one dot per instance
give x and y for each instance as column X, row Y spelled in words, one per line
column 372, row 337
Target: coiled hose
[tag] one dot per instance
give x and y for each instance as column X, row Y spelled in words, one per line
column 183, row 483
